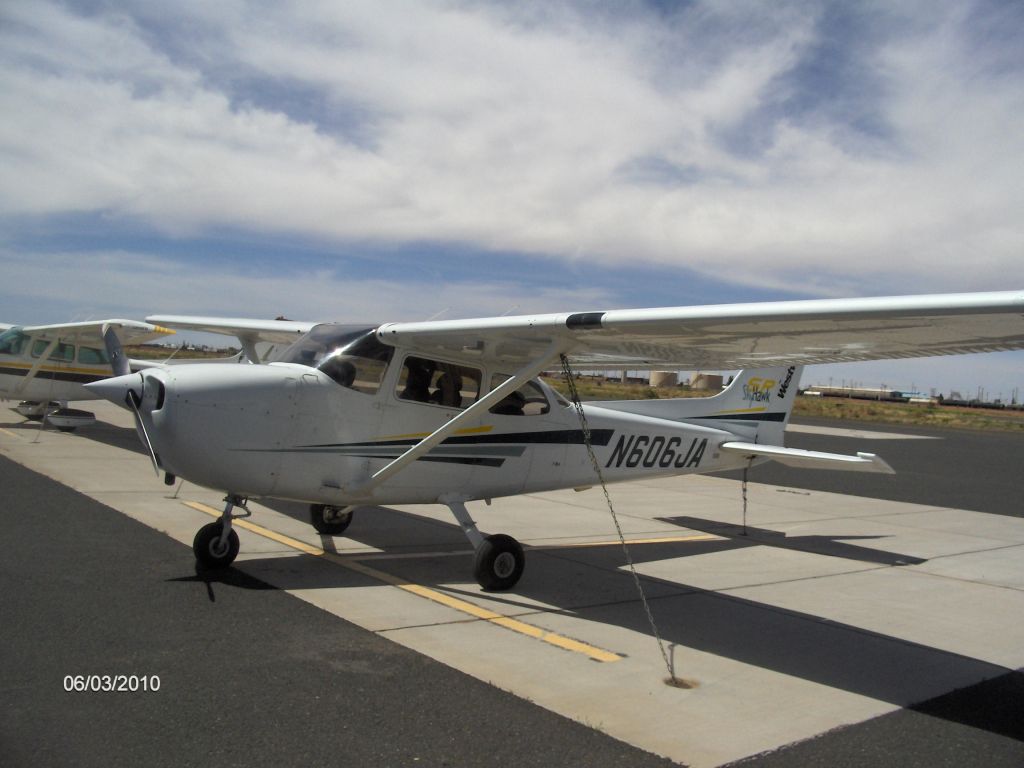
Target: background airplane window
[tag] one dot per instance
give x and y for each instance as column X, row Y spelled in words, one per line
column 528, row 400
column 439, row 383
column 92, row 355
column 60, row 352
column 12, row 341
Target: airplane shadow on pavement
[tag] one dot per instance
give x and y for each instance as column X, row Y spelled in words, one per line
column 591, row 583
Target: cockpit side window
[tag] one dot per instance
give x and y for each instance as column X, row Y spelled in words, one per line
column 359, row 365
column 351, row 355
column 439, row 383
column 528, row 400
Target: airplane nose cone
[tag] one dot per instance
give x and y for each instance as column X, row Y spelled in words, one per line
column 116, row 388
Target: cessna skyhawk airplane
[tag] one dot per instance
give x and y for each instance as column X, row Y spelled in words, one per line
column 45, row 366
column 452, row 411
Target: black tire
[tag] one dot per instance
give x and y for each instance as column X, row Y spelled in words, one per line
column 208, row 549
column 328, row 520
column 499, row 563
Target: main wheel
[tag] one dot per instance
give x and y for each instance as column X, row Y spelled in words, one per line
column 209, row 550
column 328, row 520
column 499, row 563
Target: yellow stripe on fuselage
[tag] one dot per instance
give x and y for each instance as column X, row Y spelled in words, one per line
column 421, row 435
column 57, row 369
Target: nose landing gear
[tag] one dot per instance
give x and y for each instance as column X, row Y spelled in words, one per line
column 216, row 544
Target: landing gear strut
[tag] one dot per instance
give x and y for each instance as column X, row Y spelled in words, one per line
column 216, row 544
column 499, row 559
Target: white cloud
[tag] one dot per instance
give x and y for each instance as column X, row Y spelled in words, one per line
column 626, row 138
column 93, row 285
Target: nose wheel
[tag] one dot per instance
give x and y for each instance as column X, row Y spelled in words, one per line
column 216, row 544
column 211, row 550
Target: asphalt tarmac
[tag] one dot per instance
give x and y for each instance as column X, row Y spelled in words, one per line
column 250, row 675
column 963, row 469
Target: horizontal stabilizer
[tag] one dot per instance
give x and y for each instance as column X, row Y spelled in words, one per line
column 796, row 457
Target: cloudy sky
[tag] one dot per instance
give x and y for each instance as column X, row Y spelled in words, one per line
column 392, row 160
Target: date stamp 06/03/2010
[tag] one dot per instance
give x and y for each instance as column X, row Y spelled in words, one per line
column 111, row 683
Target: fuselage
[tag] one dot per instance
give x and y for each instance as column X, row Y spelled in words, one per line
column 37, row 368
column 316, row 434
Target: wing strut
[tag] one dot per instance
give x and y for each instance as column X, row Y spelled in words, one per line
column 36, row 366
column 482, row 405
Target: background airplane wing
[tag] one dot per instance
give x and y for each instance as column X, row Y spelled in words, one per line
column 91, row 331
column 276, row 331
column 731, row 336
column 260, row 339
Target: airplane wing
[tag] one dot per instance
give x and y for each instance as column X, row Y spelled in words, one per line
column 248, row 332
column 91, row 331
column 732, row 336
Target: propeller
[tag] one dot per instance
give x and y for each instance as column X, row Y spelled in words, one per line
column 121, row 382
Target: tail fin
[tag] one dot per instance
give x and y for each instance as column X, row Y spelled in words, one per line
column 757, row 405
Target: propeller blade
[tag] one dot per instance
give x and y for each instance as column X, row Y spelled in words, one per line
column 119, row 390
column 133, row 400
column 118, row 361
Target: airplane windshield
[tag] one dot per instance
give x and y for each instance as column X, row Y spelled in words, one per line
column 12, row 341
column 351, row 355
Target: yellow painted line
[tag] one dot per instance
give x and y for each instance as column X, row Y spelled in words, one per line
column 9, row 433
column 463, row 606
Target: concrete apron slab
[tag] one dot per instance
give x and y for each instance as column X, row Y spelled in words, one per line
column 829, row 611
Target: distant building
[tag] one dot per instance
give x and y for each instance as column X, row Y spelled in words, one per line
column 664, row 379
column 706, row 381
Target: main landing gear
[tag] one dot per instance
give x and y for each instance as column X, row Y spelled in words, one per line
column 329, row 520
column 499, row 559
column 216, row 544
column 498, row 564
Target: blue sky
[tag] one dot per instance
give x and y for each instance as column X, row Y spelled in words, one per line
column 396, row 160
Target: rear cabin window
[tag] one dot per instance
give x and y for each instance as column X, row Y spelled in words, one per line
column 438, row 383
column 528, row 400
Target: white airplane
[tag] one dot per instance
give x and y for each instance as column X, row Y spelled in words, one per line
column 452, row 411
column 45, row 366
